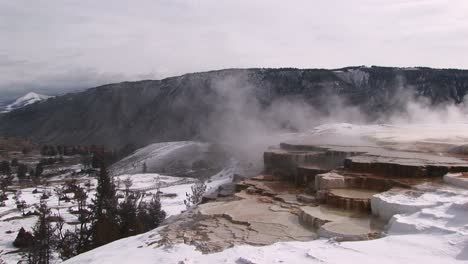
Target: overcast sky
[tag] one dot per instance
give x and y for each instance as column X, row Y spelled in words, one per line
column 61, row 45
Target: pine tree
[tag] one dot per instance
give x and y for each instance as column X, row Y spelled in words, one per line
column 104, row 226
column 5, row 168
column 39, row 169
column 40, row 252
column 150, row 215
column 128, row 218
column 22, row 170
column 14, row 162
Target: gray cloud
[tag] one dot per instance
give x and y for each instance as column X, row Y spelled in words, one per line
column 55, row 46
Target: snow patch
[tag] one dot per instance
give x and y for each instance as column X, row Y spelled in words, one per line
column 28, row 99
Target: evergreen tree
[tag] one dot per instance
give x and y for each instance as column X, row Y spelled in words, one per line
column 150, row 215
column 156, row 214
column 86, row 160
column 128, row 218
column 5, row 168
column 104, row 226
column 40, row 252
column 22, row 170
column 39, row 169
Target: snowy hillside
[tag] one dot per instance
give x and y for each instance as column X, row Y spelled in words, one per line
column 179, row 158
column 29, row 98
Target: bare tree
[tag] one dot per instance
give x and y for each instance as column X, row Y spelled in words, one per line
column 194, row 198
column 128, row 184
column 59, row 193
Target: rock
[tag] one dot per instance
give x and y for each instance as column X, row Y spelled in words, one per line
column 226, row 190
column 306, row 198
column 185, row 261
column 321, row 195
column 312, row 217
column 246, row 260
column 306, row 174
column 346, row 232
column 251, row 190
column 398, row 201
column 337, row 225
column 209, row 197
column 238, row 178
column 265, row 178
column 457, row 179
column 240, row 186
column 350, row 199
column 331, row 180
column 24, row 239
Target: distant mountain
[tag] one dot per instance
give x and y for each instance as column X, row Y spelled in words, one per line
column 28, row 99
column 198, row 106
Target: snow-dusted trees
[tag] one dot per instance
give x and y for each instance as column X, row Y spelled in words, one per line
column 194, row 198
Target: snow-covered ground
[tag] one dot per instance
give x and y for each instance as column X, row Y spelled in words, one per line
column 11, row 219
column 434, row 233
column 426, row 225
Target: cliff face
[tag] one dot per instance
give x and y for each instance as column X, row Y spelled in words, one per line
column 180, row 108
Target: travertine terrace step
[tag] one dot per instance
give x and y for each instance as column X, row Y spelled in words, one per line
column 342, row 226
column 395, row 167
column 349, row 199
column 342, row 179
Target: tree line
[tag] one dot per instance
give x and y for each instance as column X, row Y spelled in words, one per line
column 103, row 220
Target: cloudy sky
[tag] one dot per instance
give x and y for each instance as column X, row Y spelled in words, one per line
column 56, row 46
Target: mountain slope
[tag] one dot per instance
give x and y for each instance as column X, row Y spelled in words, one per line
column 28, row 99
column 205, row 105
